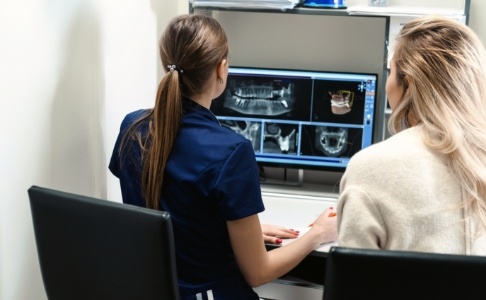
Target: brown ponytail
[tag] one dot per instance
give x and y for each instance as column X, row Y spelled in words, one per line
column 190, row 48
column 163, row 129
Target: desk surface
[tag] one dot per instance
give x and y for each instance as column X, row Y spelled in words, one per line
column 296, row 212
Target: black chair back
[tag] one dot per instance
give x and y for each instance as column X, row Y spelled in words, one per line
column 353, row 273
column 90, row 248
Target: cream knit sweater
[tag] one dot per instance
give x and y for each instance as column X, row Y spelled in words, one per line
column 399, row 195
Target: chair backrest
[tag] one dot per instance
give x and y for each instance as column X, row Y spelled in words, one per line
column 382, row 274
column 90, row 248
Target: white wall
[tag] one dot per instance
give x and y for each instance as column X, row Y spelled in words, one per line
column 49, row 62
column 69, row 71
column 477, row 18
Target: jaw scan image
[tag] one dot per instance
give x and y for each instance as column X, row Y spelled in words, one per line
column 332, row 141
column 259, row 96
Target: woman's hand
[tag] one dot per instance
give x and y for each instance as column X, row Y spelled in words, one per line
column 273, row 234
column 326, row 224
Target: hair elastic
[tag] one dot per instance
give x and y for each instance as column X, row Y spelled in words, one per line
column 174, row 67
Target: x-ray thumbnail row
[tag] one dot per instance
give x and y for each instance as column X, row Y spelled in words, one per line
column 298, row 139
column 292, row 99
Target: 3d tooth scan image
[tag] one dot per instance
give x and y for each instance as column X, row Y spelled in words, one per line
column 259, row 96
column 341, row 102
column 279, row 138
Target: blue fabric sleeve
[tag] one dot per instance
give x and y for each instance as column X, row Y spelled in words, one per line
column 238, row 186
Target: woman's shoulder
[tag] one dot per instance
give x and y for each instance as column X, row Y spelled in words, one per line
column 136, row 114
column 402, row 145
column 205, row 125
column 227, row 138
column 390, row 160
column 131, row 117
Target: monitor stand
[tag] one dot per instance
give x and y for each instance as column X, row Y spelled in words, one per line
column 285, row 181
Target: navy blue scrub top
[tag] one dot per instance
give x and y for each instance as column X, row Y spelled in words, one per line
column 211, row 177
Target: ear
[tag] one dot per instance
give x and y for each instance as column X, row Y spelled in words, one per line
column 222, row 69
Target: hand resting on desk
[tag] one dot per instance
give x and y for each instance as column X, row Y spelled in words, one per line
column 327, row 220
column 273, row 234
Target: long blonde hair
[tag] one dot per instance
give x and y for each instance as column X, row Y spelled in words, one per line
column 441, row 65
column 191, row 47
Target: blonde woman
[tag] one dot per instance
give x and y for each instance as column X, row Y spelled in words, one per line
column 424, row 188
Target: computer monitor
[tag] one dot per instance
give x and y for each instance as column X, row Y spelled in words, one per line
column 300, row 119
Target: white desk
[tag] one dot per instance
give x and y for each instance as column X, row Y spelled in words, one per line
column 296, row 212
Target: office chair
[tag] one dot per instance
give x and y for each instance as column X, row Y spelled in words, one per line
column 96, row 249
column 395, row 275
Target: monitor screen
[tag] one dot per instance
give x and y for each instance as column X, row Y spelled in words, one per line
column 300, row 119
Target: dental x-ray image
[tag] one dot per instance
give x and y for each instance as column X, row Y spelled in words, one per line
column 259, row 96
column 265, row 97
column 330, row 141
column 280, row 138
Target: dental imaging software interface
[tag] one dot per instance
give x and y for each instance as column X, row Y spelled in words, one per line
column 300, row 119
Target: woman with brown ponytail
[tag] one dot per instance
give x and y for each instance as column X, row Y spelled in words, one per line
column 176, row 157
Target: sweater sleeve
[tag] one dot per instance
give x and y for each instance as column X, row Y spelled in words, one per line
column 360, row 223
